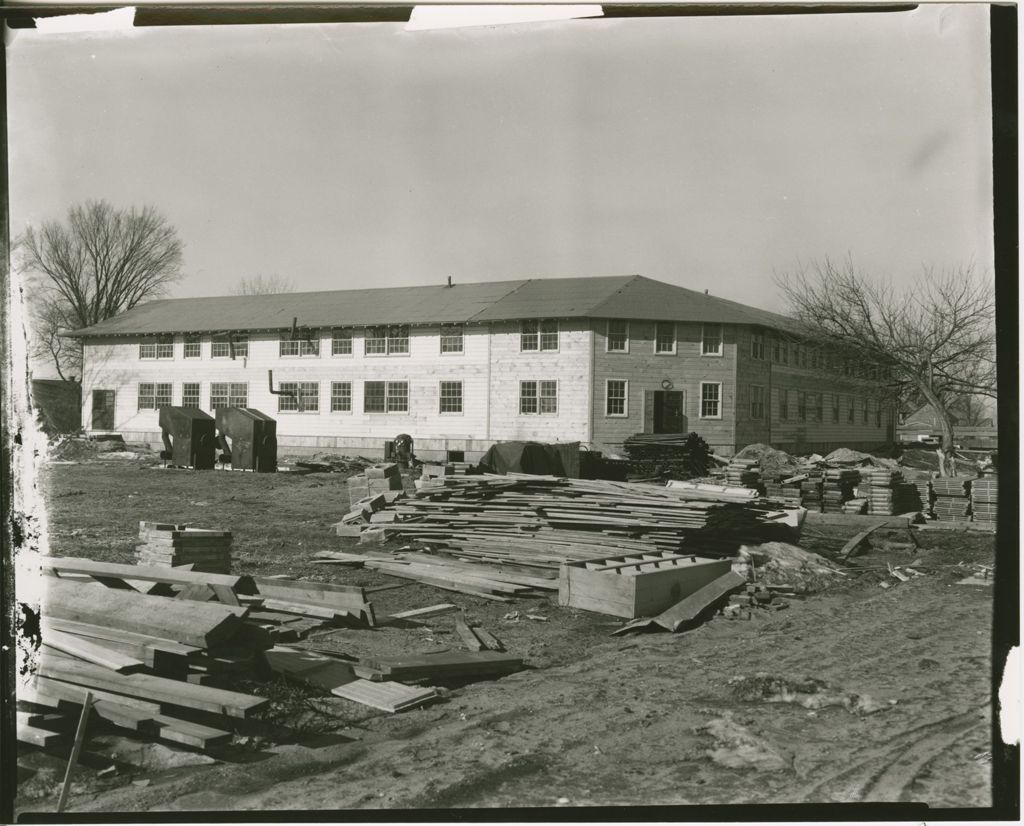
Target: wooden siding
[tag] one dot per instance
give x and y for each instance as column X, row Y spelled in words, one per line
column 805, row 436
column 116, row 365
column 645, row 371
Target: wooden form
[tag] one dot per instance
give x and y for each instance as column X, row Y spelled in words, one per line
column 635, row 585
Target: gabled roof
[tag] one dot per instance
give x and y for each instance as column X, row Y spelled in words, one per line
column 620, row 296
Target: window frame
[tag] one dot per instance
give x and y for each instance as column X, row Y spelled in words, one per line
column 441, row 397
column 718, row 400
column 624, row 336
column 241, row 341
column 801, row 405
column 608, row 399
column 156, row 395
column 189, row 340
column 300, row 388
column 538, row 397
column 675, row 339
column 704, row 340
column 850, row 411
column 335, row 397
column 392, row 347
column 783, row 405
column 757, row 406
column 539, row 334
column 461, row 339
column 337, row 339
column 198, row 395
column 230, row 394
column 836, row 407
column 163, row 348
column 757, row 346
column 308, row 346
column 387, row 397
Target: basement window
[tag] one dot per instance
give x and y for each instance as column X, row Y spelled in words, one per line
column 306, row 391
column 711, row 400
column 153, row 396
column 341, row 397
column 451, row 338
column 538, row 397
column 711, row 340
column 229, row 394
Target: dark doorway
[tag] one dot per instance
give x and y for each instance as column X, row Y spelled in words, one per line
column 668, row 412
column 102, row 409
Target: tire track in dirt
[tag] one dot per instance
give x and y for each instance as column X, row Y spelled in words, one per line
column 886, row 774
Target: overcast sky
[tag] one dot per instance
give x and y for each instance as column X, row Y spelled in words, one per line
column 707, row 152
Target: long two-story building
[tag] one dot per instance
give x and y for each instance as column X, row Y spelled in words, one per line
column 460, row 367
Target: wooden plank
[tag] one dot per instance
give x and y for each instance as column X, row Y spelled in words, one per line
column 151, row 687
column 192, row 623
column 91, row 651
column 847, row 550
column 138, row 642
column 265, row 585
column 428, row 611
column 185, row 732
column 200, row 592
column 48, row 691
column 38, row 719
column 687, row 610
column 439, row 666
column 469, row 639
column 76, row 748
column 39, row 737
column 309, row 667
column 854, row 520
column 489, row 641
column 148, row 573
column 387, row 696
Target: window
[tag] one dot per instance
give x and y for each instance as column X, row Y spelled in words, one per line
column 451, row 397
column 190, row 394
column 756, row 401
column 835, row 407
column 152, row 396
column 162, row 347
column 308, row 392
column 801, row 405
column 302, row 343
column 775, row 350
column 878, row 414
column 387, row 340
column 711, row 340
column 710, row 400
column 618, row 337
column 757, row 346
column 783, row 404
column 616, row 403
column 193, row 348
column 341, row 341
column 341, row 396
column 228, row 394
column 803, row 356
column 222, row 346
column 538, row 335
column 864, row 413
column 451, row 338
column 849, row 411
column 385, row 397
column 665, row 337
column 819, row 407
column 538, row 397
column 796, row 355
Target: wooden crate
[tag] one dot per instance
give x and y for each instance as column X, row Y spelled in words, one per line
column 636, row 585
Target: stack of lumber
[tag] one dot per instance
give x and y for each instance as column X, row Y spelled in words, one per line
column 784, row 491
column 985, row 499
column 375, row 480
column 438, row 470
column 856, row 505
column 169, row 544
column 743, row 473
column 811, row 490
column 683, row 454
column 888, row 493
column 837, row 488
column 923, row 488
column 952, row 499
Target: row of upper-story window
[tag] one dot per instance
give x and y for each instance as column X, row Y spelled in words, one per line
column 792, row 353
column 536, row 396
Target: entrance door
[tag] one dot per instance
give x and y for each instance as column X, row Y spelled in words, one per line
column 668, row 412
column 102, row 409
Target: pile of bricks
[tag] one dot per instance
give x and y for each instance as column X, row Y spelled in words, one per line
column 169, row 545
column 985, row 499
column 952, row 499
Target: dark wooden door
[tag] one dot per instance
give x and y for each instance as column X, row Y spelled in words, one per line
column 102, row 409
column 668, row 412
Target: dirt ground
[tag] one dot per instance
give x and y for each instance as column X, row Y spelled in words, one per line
column 901, row 712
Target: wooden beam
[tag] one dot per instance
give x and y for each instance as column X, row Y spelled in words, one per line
column 847, row 550
column 92, row 651
column 146, row 573
column 83, row 721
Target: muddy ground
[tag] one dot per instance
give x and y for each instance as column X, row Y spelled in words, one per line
column 900, row 712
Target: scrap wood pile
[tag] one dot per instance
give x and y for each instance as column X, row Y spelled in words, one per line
column 985, row 499
column 156, row 645
column 952, row 499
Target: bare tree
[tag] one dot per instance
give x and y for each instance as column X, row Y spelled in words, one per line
column 100, row 262
column 263, row 285
column 937, row 338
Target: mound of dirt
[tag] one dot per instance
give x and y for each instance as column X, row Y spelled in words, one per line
column 772, row 462
column 778, row 563
column 736, row 747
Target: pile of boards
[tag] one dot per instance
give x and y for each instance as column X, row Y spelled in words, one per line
column 951, row 499
column 837, row 488
column 157, row 646
column 985, row 499
column 170, row 544
column 743, row 473
column 543, row 521
column 888, row 492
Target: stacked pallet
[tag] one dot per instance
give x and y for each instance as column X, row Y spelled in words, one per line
column 168, row 544
column 952, row 499
column 985, row 499
column 837, row 488
column 743, row 473
column 375, row 480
